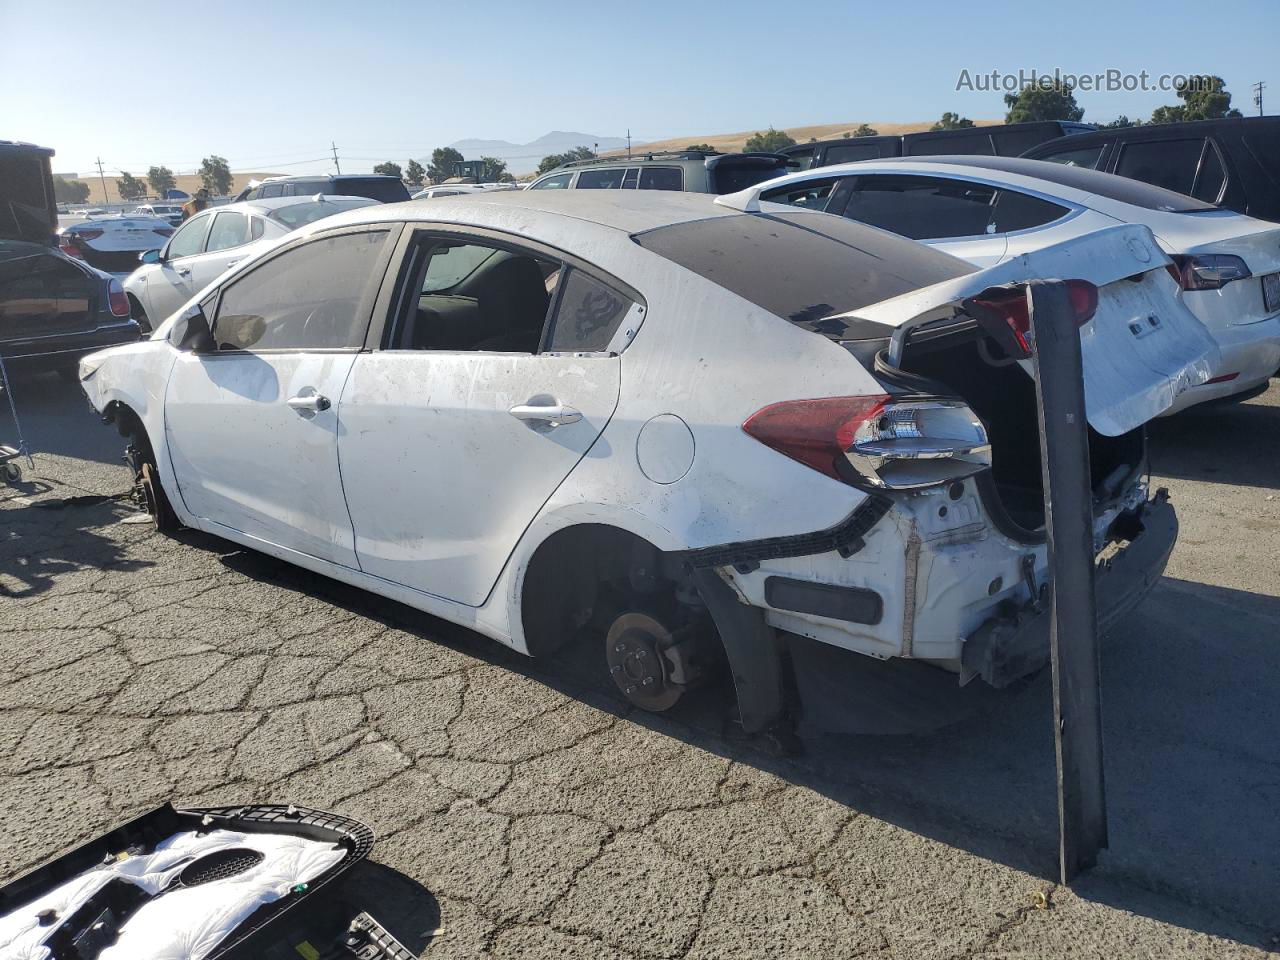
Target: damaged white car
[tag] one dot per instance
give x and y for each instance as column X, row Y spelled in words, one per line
column 687, row 429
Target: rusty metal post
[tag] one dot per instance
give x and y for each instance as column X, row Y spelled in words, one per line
column 1073, row 637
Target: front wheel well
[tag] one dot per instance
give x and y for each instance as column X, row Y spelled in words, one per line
column 130, row 426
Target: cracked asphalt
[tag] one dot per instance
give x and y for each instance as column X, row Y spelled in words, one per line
column 542, row 818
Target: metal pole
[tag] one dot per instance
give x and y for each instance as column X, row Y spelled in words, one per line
column 1073, row 632
column 334, row 147
column 102, row 177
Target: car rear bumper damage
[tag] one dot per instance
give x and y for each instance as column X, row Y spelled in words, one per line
column 1015, row 644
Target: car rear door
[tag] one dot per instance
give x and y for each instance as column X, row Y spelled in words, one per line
column 223, row 248
column 494, row 377
column 252, row 426
column 170, row 286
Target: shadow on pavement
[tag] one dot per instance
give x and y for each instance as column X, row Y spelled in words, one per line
column 53, row 417
column 1191, row 721
column 1205, row 443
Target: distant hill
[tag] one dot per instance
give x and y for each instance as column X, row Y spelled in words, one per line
column 188, row 182
column 522, row 157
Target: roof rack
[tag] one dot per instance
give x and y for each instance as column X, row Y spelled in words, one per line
column 645, row 155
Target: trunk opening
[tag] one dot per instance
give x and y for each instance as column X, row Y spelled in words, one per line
column 1004, row 397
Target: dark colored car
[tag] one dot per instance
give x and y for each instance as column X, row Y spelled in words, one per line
column 1002, row 140
column 692, row 171
column 1232, row 163
column 53, row 308
column 375, row 187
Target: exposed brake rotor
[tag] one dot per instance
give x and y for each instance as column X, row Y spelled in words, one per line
column 636, row 650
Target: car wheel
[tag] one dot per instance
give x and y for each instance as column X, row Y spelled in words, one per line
column 157, row 501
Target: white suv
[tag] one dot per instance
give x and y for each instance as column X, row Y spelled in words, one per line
column 679, row 426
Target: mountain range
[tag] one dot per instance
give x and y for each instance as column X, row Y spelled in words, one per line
column 525, row 156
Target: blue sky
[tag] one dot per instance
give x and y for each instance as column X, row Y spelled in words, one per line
column 270, row 85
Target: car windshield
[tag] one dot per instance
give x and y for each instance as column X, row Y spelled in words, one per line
column 299, row 214
column 805, row 267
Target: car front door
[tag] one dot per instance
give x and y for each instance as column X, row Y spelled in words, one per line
column 497, row 373
column 170, row 284
column 252, row 425
column 231, row 230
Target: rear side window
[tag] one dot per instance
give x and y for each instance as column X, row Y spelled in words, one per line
column 1019, row 211
column 307, row 298
column 661, row 178
column 230, row 229
column 587, row 316
column 804, row 267
column 800, row 159
column 851, row 153
column 601, row 179
column 973, row 143
column 382, row 189
column 559, row 182
column 269, row 190
column 307, row 188
column 922, row 208
column 1017, row 142
column 1170, row 164
column 810, row 195
column 1084, row 157
column 730, row 176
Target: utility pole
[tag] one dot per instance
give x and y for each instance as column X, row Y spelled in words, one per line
column 1257, row 95
column 103, row 178
column 333, row 146
column 628, row 143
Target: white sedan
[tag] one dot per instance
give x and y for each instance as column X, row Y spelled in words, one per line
column 213, row 240
column 652, row 420
column 990, row 210
column 113, row 243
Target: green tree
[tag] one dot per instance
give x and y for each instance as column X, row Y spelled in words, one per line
column 1123, row 121
column 440, row 168
column 215, row 175
column 161, row 179
column 388, row 169
column 70, row 191
column 551, row 161
column 1203, row 96
column 495, row 170
column 415, row 172
column 771, row 141
column 952, row 121
column 130, row 187
column 1053, row 101
column 866, row 131
column 705, row 147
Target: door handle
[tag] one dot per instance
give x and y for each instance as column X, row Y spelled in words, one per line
column 552, row 415
column 184, row 271
column 312, row 404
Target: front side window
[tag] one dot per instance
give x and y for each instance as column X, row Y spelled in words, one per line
column 471, row 295
column 270, row 190
column 661, row 178
column 922, row 208
column 189, row 240
column 1084, row 157
column 1170, row 164
column 559, row 182
column 307, row 298
column 587, row 315
column 230, row 229
column 810, row 195
column 601, row 179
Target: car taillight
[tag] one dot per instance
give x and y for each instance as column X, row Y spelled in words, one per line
column 164, row 231
column 1207, row 271
column 69, row 248
column 89, row 234
column 1011, row 304
column 889, row 443
column 117, row 299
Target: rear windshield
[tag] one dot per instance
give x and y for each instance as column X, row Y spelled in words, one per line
column 383, row 189
column 804, row 266
column 1106, row 185
column 731, row 174
column 298, row 214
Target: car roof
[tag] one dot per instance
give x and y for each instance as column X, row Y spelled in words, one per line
column 265, row 206
column 630, row 211
column 1155, row 131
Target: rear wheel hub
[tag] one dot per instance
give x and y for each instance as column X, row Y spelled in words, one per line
column 634, row 650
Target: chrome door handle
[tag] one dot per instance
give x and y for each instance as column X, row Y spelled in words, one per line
column 552, row 415
column 184, row 271
column 312, row 404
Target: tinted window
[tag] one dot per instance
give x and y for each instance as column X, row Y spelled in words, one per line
column 271, row 190
column 812, row 195
column 851, row 153
column 229, row 229
column 802, row 159
column 1084, row 157
column 1209, row 182
column 307, row 298
column 632, row 177
column 1166, row 163
column 307, row 188
column 297, row 214
column 1017, row 142
column 257, row 227
column 587, row 316
column 190, row 238
column 922, row 208
column 600, row 179
column 1019, row 211
column 661, row 178
column 40, row 291
column 474, row 296
column 730, row 176
column 559, row 182
column 382, row 189
column 26, row 208
column 967, row 143
column 803, row 266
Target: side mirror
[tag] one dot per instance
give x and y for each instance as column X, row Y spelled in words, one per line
column 150, row 256
column 191, row 331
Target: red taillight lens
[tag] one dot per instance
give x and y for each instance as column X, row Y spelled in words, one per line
column 1011, row 303
column 70, row 249
column 89, row 234
column 1207, row 271
column 817, row 432
column 117, row 299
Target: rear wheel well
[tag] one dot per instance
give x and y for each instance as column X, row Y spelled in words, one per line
column 138, row 312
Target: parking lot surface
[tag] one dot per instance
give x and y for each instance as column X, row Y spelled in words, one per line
column 543, row 818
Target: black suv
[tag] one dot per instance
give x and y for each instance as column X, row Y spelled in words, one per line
column 374, row 186
column 53, row 308
column 694, row 171
column 1233, row 163
column 1000, row 140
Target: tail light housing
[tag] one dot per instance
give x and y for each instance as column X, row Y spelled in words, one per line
column 86, row 235
column 1207, row 271
column 117, row 299
column 878, row 441
column 67, row 245
column 1010, row 305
